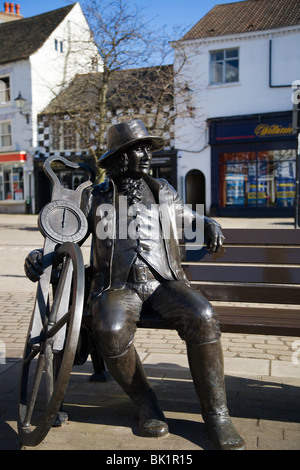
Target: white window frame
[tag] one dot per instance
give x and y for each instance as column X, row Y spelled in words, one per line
column 223, row 62
column 2, row 135
column 5, row 91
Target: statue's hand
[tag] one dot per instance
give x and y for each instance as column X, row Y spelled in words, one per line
column 33, row 265
column 214, row 237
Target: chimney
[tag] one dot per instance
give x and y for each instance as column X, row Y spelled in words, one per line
column 11, row 12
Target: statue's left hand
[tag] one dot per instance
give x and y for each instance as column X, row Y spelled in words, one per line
column 214, row 237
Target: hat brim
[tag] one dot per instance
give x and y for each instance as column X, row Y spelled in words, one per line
column 155, row 142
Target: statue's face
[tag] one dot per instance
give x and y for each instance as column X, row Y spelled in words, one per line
column 139, row 157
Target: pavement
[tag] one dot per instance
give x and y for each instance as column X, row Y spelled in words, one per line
column 262, row 375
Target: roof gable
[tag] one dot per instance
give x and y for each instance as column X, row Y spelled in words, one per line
column 19, row 39
column 245, row 16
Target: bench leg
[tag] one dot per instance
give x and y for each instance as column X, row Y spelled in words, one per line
column 206, row 364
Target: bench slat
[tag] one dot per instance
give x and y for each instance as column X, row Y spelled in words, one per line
column 263, row 274
column 250, row 293
column 241, row 319
column 254, row 254
column 262, row 236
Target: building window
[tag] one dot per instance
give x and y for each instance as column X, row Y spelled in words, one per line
column 69, row 136
column 224, row 66
column 257, row 179
column 11, row 182
column 5, row 135
column 58, row 45
column 56, row 125
column 4, row 90
column 64, row 136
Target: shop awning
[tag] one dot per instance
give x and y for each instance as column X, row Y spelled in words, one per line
column 12, row 157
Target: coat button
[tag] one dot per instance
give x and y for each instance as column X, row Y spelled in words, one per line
column 139, row 249
column 106, row 264
column 108, row 244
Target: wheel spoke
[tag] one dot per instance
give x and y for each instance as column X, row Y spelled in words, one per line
column 58, row 325
column 31, row 356
column 49, row 369
column 59, row 292
column 35, row 388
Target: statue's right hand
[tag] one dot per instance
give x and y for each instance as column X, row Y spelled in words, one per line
column 33, row 265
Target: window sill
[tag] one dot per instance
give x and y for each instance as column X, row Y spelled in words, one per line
column 222, row 85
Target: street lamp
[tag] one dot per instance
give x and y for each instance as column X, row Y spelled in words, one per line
column 21, row 102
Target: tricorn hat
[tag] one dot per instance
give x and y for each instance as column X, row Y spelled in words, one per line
column 120, row 136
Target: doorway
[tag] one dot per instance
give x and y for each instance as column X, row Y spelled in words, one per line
column 195, row 188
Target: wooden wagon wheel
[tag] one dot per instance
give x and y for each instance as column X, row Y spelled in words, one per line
column 42, row 387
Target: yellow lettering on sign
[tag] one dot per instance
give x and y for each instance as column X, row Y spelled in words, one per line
column 266, row 130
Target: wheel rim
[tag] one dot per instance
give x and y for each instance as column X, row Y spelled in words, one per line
column 42, row 388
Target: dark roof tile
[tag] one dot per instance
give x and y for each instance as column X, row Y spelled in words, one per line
column 248, row 15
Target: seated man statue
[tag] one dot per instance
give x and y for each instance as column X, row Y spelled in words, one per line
column 131, row 269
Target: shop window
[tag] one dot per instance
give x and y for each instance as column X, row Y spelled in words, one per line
column 5, row 135
column 11, row 183
column 4, row 90
column 161, row 172
column 224, row 66
column 257, row 179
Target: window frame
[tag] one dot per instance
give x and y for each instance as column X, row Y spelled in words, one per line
column 225, row 60
column 2, row 135
column 66, row 138
column 7, row 90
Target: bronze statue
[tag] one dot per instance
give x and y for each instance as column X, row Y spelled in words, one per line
column 132, row 269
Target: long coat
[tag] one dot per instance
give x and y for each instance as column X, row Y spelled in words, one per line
column 111, row 273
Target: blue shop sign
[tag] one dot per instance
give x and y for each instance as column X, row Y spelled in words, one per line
column 274, row 127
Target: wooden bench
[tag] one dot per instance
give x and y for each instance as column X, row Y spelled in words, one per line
column 254, row 286
column 260, row 268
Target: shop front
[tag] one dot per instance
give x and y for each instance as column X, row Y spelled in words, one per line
column 253, row 161
column 15, row 182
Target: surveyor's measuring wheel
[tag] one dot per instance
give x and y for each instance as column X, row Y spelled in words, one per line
column 54, row 328
column 49, row 356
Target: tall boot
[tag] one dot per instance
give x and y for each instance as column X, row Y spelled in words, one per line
column 207, row 369
column 129, row 373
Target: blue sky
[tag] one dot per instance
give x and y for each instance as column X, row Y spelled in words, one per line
column 183, row 13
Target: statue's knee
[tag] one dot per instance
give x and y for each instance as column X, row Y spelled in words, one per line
column 204, row 325
column 112, row 341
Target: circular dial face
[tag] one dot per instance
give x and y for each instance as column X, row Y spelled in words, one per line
column 62, row 221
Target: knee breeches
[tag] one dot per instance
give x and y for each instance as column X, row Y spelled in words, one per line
column 116, row 312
